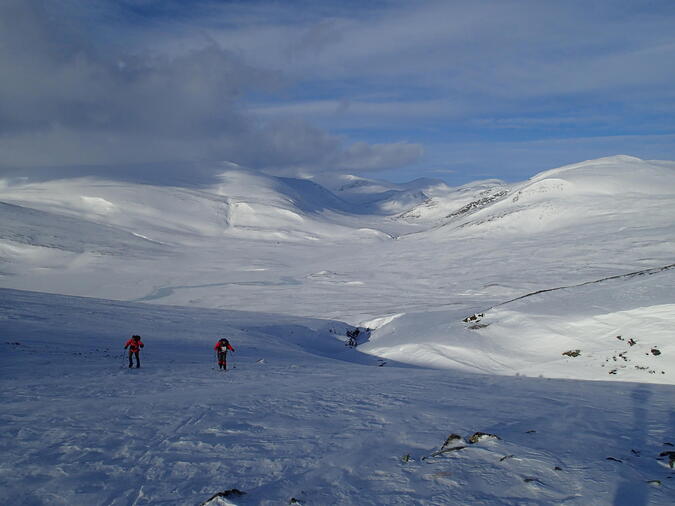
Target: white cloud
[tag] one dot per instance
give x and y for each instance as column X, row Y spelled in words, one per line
column 501, row 56
column 69, row 102
column 366, row 157
column 95, row 82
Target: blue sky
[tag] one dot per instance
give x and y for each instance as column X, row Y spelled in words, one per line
column 459, row 90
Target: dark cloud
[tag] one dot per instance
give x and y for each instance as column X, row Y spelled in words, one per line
column 70, row 103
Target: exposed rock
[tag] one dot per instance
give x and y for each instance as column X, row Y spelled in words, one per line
column 450, row 445
column 473, row 318
column 572, row 353
column 477, row 204
column 451, row 440
column 480, row 436
column 233, row 492
column 357, row 336
column 670, row 456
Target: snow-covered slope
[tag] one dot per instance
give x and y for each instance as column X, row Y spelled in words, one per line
column 458, row 202
column 382, row 197
column 298, row 419
column 619, row 328
column 245, row 204
column 93, row 237
column 269, row 244
column 567, row 196
column 579, row 195
column 489, row 306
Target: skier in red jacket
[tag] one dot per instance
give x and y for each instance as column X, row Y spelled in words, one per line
column 221, row 348
column 134, row 344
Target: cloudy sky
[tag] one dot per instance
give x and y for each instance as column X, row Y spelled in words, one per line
column 168, row 90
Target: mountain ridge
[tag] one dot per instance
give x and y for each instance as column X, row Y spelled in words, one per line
column 261, row 242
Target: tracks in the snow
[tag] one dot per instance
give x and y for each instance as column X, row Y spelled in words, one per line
column 644, row 272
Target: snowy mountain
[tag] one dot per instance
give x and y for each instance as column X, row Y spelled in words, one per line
column 322, row 253
column 382, row 197
column 482, row 313
column 571, row 195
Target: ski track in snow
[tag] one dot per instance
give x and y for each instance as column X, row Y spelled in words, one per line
column 81, row 428
column 643, row 272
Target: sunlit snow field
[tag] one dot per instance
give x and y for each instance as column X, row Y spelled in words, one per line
column 539, row 312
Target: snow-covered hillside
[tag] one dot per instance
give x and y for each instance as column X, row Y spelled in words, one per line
column 298, row 419
column 620, row 328
column 269, row 244
column 325, row 253
column 488, row 307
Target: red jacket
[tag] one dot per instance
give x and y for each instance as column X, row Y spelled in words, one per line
column 134, row 345
column 221, row 347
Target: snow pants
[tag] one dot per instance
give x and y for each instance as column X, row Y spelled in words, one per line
column 222, row 360
column 138, row 360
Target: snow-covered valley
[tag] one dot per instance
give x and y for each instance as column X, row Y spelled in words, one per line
column 490, row 307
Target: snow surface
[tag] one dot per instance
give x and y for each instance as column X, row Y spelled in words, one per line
column 621, row 326
column 300, row 416
column 490, row 306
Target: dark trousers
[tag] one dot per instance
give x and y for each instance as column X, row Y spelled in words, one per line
column 138, row 360
column 222, row 360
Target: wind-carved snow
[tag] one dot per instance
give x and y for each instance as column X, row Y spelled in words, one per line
column 540, row 190
column 483, row 309
column 376, row 323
